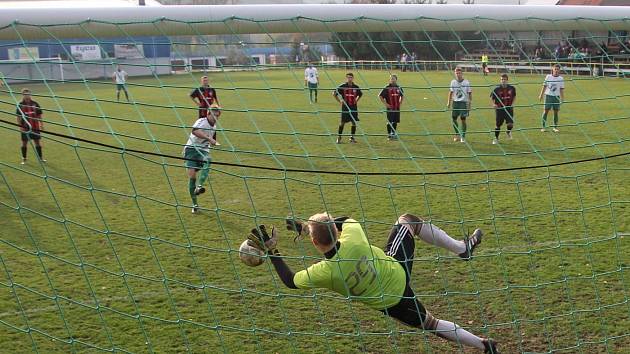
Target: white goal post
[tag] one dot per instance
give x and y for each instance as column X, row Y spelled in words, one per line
column 239, row 19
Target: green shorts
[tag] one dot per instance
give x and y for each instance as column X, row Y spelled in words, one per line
column 460, row 109
column 552, row 102
column 121, row 87
column 197, row 159
column 312, row 86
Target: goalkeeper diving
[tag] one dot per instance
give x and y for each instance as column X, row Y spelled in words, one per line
column 378, row 278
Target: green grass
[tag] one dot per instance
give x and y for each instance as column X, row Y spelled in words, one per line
column 99, row 250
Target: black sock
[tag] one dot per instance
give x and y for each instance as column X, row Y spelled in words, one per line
column 394, row 126
column 497, row 130
column 389, row 129
column 509, row 128
column 340, row 129
column 353, row 130
column 39, row 151
column 23, row 148
column 214, row 136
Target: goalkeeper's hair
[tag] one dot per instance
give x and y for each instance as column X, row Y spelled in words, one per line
column 322, row 229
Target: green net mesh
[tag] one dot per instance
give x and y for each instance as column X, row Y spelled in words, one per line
column 99, row 250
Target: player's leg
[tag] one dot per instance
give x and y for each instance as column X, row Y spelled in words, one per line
column 315, row 91
column 394, row 121
column 454, row 117
column 499, row 118
column 342, row 123
column 433, row 235
column 24, row 147
column 401, row 244
column 117, row 92
column 38, row 146
column 354, row 118
column 411, row 312
column 203, row 176
column 126, row 93
column 556, row 109
column 464, row 127
column 510, row 122
column 545, row 112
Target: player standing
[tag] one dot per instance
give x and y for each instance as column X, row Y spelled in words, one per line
column 553, row 89
column 378, row 278
column 311, row 80
column 484, row 64
column 460, row 95
column 348, row 95
column 503, row 98
column 204, row 96
column 120, row 78
column 29, row 117
column 392, row 97
column 196, row 153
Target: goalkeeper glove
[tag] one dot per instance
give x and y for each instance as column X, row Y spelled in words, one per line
column 259, row 238
column 295, row 225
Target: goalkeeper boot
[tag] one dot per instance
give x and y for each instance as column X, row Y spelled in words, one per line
column 471, row 242
column 199, row 190
column 490, row 346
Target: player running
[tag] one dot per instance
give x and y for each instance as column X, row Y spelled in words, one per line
column 205, row 96
column 29, row 117
column 348, row 95
column 503, row 98
column 392, row 97
column 311, row 80
column 378, row 278
column 553, row 89
column 197, row 151
column 460, row 95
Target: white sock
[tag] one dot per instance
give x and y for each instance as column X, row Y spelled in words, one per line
column 433, row 235
column 455, row 333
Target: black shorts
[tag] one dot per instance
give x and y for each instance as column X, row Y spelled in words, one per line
column 393, row 116
column 349, row 116
column 504, row 115
column 401, row 246
column 33, row 135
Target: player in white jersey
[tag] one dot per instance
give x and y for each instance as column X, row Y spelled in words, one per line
column 553, row 89
column 120, row 78
column 311, row 80
column 196, row 153
column 460, row 95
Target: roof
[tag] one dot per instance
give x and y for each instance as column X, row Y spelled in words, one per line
column 595, row 2
column 73, row 3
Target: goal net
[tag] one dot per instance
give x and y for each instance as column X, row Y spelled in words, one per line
column 99, row 250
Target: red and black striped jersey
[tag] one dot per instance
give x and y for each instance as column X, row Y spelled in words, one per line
column 503, row 96
column 30, row 114
column 206, row 96
column 392, row 95
column 349, row 95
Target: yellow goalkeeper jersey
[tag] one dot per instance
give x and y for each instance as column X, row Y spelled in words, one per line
column 358, row 270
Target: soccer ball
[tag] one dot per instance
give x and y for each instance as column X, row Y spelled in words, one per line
column 251, row 256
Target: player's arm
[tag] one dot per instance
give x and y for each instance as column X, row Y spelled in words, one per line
column 561, row 94
column 216, row 97
column 449, row 99
column 469, row 99
column 305, row 77
column 542, row 91
column 38, row 114
column 381, row 96
column 359, row 95
column 336, row 95
column 20, row 118
column 194, row 97
column 401, row 97
column 260, row 239
column 201, row 134
column 514, row 98
column 494, row 99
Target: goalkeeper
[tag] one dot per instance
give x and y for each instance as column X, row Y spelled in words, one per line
column 378, row 278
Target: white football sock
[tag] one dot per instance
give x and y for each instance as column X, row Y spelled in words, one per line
column 434, row 235
column 455, row 333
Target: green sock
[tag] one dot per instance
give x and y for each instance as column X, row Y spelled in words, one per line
column 203, row 176
column 544, row 119
column 455, row 126
column 191, row 190
column 555, row 118
column 464, row 126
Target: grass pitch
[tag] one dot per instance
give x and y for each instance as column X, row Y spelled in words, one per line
column 99, row 250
